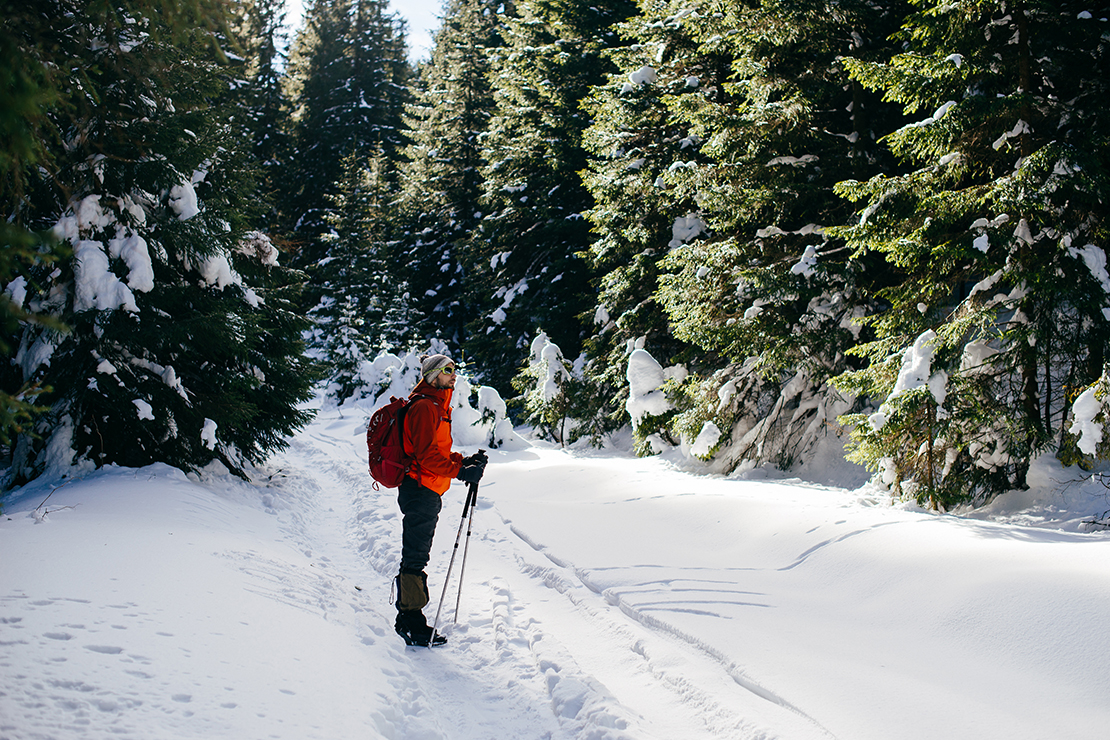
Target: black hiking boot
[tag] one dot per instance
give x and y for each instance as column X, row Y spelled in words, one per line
column 414, row 630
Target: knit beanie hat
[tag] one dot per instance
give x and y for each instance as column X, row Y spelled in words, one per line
column 432, row 364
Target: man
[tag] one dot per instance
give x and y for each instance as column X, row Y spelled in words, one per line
column 427, row 441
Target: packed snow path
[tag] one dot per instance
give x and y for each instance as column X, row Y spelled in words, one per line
column 604, row 598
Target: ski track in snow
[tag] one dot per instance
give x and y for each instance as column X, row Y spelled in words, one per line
column 724, row 724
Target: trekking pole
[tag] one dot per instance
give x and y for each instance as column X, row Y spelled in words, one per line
column 471, row 497
column 466, row 546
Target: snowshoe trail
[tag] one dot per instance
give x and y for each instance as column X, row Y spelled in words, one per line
column 565, row 657
column 447, row 692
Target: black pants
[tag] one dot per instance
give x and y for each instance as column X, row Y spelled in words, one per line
column 420, row 511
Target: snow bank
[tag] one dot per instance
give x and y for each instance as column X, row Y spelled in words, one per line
column 169, row 609
column 609, row 598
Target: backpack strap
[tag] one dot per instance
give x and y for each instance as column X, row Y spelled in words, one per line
column 401, row 425
column 401, row 416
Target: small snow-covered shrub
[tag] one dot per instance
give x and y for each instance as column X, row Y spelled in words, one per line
column 1087, row 439
column 652, row 392
column 484, row 425
column 937, row 436
column 546, row 384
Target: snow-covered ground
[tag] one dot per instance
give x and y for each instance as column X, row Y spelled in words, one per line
column 604, row 597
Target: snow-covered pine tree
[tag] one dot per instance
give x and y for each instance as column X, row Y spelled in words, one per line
column 999, row 236
column 348, row 78
column 640, row 210
column 340, row 333
column 766, row 295
column 29, row 89
column 182, row 347
column 524, row 263
column 263, row 111
column 547, row 384
column 440, row 176
column 366, row 306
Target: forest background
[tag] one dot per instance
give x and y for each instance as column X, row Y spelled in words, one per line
column 745, row 229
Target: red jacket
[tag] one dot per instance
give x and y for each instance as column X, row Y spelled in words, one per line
column 428, row 438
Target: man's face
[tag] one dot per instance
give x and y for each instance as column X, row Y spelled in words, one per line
column 445, row 378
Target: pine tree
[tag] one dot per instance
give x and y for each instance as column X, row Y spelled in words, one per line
column 29, row 89
column 716, row 152
column 367, row 308
column 440, row 178
column 634, row 144
column 524, row 265
column 767, row 290
column 182, row 346
column 348, row 82
column 263, row 108
column 999, row 236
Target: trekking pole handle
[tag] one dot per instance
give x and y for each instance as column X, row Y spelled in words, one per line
column 471, row 496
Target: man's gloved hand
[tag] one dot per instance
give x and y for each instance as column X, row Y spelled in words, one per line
column 472, row 467
column 478, row 458
column 471, row 473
